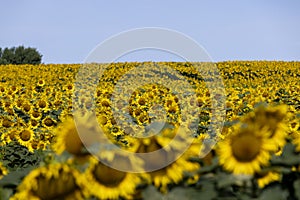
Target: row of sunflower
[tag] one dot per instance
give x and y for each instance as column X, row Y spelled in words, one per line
column 68, row 133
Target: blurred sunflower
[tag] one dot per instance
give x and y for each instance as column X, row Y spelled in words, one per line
column 272, row 119
column 296, row 141
column 294, row 126
column 55, row 181
column 263, row 179
column 105, row 182
column 3, row 170
column 69, row 139
column 245, row 150
column 172, row 173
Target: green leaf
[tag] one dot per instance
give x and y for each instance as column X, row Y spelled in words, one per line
column 207, row 191
column 288, row 157
column 209, row 168
column 13, row 179
column 151, row 193
column 225, row 180
column 5, row 193
column 296, row 187
column 274, row 193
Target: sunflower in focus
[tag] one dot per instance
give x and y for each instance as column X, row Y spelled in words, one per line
column 40, row 83
column 8, row 136
column 245, row 150
column 48, row 122
column 24, row 137
column 56, row 181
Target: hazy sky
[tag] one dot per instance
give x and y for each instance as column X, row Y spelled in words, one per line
column 65, row 31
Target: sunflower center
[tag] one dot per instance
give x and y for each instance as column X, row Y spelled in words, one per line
column 108, row 176
column 7, row 123
column 42, row 104
column 55, row 188
column 25, row 135
column 246, row 147
column 73, row 142
column 26, row 107
column 48, row 122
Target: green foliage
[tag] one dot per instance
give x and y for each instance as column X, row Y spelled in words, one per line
column 20, row 55
column 15, row 156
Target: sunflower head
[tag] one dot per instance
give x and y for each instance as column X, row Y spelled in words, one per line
column 271, row 116
column 56, row 181
column 106, row 182
column 40, row 83
column 25, row 137
column 245, row 147
column 245, row 150
column 74, row 135
column 26, row 107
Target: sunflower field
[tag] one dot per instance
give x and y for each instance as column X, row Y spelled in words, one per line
column 53, row 124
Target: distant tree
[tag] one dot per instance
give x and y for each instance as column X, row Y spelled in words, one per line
column 20, row 55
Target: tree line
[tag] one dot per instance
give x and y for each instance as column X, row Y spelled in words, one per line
column 20, row 55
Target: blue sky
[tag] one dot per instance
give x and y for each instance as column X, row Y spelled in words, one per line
column 65, row 31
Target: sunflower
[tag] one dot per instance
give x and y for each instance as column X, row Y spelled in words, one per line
column 43, row 104
column 40, row 83
column 69, row 139
column 267, row 178
column 164, row 176
column 8, row 136
column 19, row 103
column 26, row 107
column 273, row 119
column 69, row 87
column 294, row 126
column 171, row 174
column 34, row 145
column 35, row 114
column 24, row 137
column 108, row 183
column 245, row 150
column 3, row 171
column 55, row 181
column 7, row 122
column 2, row 89
column 48, row 122
column 33, row 124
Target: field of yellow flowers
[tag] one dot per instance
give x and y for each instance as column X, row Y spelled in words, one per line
column 43, row 155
